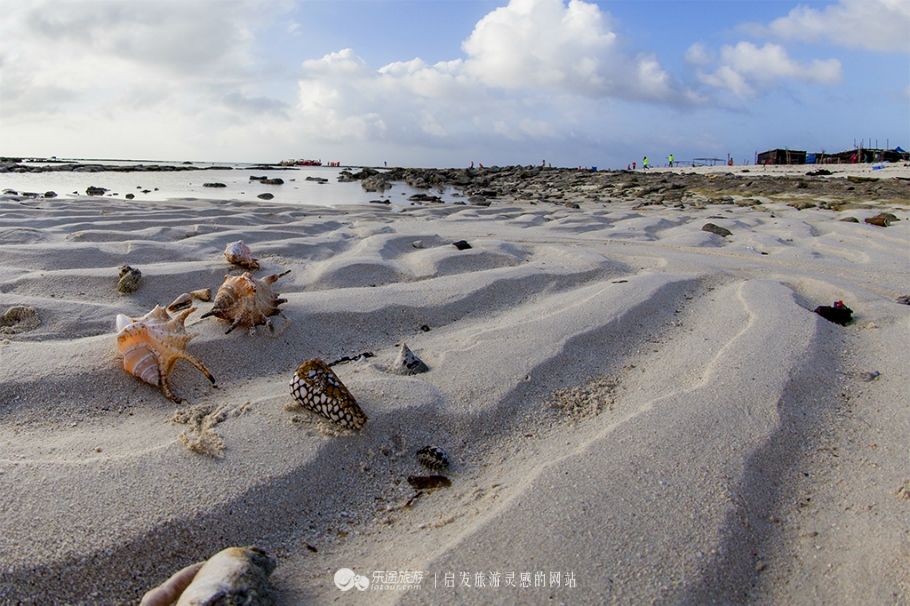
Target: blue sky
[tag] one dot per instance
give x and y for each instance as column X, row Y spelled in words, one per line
column 446, row 82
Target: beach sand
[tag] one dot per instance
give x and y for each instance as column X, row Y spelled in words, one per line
column 649, row 409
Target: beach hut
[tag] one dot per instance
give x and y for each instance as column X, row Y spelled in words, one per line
column 781, row 156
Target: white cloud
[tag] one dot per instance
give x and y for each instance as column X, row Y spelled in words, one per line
column 746, row 68
column 698, row 54
column 521, row 63
column 83, row 54
column 878, row 25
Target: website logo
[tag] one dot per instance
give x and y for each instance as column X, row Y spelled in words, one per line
column 346, row 579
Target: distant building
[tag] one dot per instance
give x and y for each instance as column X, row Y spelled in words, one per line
column 864, row 155
column 781, row 156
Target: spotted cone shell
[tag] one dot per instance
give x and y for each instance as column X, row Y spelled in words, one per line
column 317, row 388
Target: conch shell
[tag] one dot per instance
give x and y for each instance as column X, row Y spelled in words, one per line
column 152, row 344
column 317, row 388
column 186, row 299
column 238, row 253
column 246, row 301
column 236, row 575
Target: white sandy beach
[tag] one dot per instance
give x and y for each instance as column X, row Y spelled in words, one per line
column 723, row 444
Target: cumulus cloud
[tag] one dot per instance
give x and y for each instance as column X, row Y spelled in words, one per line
column 877, row 25
column 521, row 63
column 745, row 69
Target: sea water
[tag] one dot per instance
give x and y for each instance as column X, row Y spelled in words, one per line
column 190, row 184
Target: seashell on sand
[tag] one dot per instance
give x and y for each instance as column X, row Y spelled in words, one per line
column 129, row 279
column 231, row 577
column 202, row 294
column 246, row 301
column 186, row 299
column 238, row 253
column 152, row 344
column 407, row 362
column 433, row 457
column 317, row 388
column 181, row 302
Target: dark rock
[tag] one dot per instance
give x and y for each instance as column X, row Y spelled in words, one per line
column 95, row 191
column 855, row 179
column 316, row 179
column 822, row 172
column 424, row 328
column 50, row 194
column 214, row 185
column 130, row 196
column 429, row 482
column 881, row 220
column 380, row 202
column 424, row 198
column 904, row 299
column 479, row 201
column 275, row 181
column 461, row 245
column 850, row 220
column 266, row 196
column 716, row 229
column 837, row 313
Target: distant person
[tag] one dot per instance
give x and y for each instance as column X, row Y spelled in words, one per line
column 670, row 160
column 384, row 163
column 634, row 165
column 472, row 163
column 644, row 163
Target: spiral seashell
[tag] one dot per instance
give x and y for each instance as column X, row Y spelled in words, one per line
column 202, row 294
column 317, row 388
column 246, row 301
column 152, row 344
column 238, row 253
column 433, row 457
column 181, row 302
column 407, row 362
column 236, row 575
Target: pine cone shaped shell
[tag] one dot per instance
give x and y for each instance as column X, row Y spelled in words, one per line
column 246, row 301
column 317, row 388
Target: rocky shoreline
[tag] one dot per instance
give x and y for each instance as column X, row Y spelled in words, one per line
column 572, row 187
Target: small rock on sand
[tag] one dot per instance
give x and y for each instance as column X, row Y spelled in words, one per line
column 129, row 279
column 716, row 229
